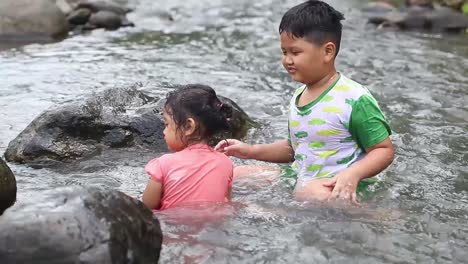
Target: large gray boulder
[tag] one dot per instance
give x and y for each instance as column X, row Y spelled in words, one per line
column 31, row 19
column 78, row 225
column 7, row 187
column 115, row 118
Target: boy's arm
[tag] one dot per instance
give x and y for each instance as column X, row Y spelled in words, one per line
column 278, row 152
column 378, row 158
column 371, row 131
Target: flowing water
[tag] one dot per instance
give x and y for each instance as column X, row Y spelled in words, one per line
column 421, row 82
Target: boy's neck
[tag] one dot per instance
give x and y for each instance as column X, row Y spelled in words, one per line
column 324, row 82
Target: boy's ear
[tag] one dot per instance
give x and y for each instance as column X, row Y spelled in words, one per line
column 329, row 49
column 190, row 127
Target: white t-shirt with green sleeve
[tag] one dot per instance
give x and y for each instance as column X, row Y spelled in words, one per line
column 332, row 132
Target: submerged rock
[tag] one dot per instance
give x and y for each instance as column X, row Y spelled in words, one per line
column 78, row 225
column 114, row 118
column 25, row 20
column 7, row 187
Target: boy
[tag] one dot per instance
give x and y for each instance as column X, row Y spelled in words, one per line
column 338, row 136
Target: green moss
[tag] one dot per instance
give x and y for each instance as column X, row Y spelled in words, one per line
column 465, row 8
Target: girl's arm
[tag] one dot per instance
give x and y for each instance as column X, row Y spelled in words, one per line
column 152, row 195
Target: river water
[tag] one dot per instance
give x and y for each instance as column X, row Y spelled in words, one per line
column 420, row 80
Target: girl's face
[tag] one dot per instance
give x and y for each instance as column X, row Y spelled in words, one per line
column 172, row 134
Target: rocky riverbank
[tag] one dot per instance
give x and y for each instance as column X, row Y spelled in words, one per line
column 28, row 21
column 420, row 15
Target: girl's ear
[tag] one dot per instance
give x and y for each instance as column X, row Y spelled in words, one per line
column 190, row 127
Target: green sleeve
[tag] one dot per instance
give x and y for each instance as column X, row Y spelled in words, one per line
column 367, row 124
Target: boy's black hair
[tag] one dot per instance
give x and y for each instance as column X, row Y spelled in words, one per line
column 315, row 21
column 201, row 103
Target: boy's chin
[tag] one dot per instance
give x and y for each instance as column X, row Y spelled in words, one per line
column 296, row 78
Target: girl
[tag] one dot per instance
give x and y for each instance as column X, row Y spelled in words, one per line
column 195, row 172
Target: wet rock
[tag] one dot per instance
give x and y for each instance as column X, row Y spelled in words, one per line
column 416, row 18
column 79, row 225
column 440, row 19
column 99, row 14
column 123, row 117
column 126, row 23
column 65, row 6
column 447, row 19
column 391, row 19
column 27, row 21
column 96, row 6
column 105, row 19
column 22, row 20
column 79, row 16
column 378, row 7
column 7, row 187
column 116, row 118
column 455, row 4
column 420, row 3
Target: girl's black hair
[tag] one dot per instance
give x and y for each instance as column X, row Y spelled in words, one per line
column 201, row 103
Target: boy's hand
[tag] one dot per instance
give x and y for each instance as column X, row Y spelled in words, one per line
column 236, row 148
column 344, row 186
column 377, row 159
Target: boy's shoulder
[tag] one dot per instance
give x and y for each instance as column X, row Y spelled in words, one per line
column 349, row 87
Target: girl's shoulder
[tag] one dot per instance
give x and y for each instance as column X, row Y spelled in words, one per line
column 160, row 161
column 194, row 155
column 203, row 151
column 223, row 158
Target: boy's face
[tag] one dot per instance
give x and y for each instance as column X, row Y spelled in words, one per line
column 304, row 60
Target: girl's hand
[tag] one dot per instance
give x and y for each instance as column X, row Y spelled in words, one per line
column 344, row 187
column 236, row 148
